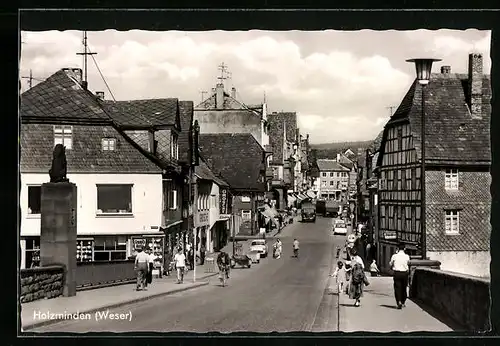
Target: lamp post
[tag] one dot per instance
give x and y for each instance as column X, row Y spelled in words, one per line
column 423, row 68
column 194, row 160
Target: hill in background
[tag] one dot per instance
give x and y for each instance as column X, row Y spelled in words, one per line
column 330, row 150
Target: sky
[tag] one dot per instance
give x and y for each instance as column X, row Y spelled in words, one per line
column 340, row 83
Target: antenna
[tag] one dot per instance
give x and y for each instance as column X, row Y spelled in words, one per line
column 224, row 73
column 264, row 96
column 85, row 53
column 203, row 92
column 390, row 109
column 30, row 79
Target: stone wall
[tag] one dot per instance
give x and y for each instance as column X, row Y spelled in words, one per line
column 460, row 298
column 41, row 282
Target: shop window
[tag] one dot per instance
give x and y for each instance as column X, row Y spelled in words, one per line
column 63, row 135
column 32, row 252
column 84, row 250
column 110, row 248
column 114, row 199
column 34, row 199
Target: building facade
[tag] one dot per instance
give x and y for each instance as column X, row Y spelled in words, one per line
column 119, row 188
column 333, row 180
column 457, row 177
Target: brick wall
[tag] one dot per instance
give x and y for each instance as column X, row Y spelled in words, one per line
column 461, row 299
column 41, row 282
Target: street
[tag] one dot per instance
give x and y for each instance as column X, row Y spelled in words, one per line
column 282, row 295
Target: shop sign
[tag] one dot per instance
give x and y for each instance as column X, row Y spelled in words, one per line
column 388, row 235
column 203, row 218
column 223, row 201
column 139, row 243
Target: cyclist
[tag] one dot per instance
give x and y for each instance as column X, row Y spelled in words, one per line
column 295, row 248
column 223, row 262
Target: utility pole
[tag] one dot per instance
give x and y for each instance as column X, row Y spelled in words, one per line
column 85, row 53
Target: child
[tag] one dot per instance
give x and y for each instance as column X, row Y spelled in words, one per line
column 339, row 275
column 374, row 269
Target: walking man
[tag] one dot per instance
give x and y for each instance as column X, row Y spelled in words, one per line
column 180, row 265
column 400, row 265
column 141, row 267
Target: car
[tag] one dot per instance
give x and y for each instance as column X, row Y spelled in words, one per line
column 340, row 228
column 260, row 246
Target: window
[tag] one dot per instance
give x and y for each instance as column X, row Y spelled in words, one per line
column 108, row 144
column 324, row 174
column 331, row 174
column 452, row 223
column 34, row 199
column 173, row 204
column 451, row 179
column 114, row 199
column 331, row 183
column 245, row 199
column 110, row 248
column 323, row 184
column 63, row 135
column 174, row 146
column 32, row 252
column 246, row 215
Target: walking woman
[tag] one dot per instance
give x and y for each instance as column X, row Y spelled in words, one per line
column 358, row 278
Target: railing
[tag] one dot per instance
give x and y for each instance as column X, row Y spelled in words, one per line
column 90, row 274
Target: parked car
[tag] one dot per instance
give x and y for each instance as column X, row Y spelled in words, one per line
column 260, row 246
column 340, row 228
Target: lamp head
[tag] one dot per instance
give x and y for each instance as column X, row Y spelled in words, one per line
column 423, row 67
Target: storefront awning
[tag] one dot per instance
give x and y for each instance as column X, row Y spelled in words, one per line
column 311, row 194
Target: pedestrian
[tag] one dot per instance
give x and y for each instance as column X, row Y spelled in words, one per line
column 374, row 269
column 203, row 251
column 340, row 277
column 151, row 261
column 191, row 258
column 180, row 265
column 358, row 278
column 399, row 263
column 141, row 268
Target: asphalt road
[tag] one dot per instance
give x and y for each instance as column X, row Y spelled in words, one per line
column 286, row 294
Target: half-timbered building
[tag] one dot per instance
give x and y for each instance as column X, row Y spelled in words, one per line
column 457, row 179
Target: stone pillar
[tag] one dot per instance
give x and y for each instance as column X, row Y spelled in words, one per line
column 58, row 230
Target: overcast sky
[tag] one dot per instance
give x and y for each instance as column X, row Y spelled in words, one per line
column 340, row 83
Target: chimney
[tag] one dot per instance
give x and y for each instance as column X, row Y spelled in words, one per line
column 446, row 69
column 475, row 84
column 75, row 73
column 219, row 96
column 297, row 135
column 233, row 92
column 338, row 157
column 100, row 95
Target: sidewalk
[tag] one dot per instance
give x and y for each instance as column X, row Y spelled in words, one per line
column 107, row 298
column 378, row 312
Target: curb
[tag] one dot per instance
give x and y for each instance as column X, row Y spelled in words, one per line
column 116, row 305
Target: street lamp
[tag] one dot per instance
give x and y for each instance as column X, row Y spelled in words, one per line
column 194, row 160
column 423, row 68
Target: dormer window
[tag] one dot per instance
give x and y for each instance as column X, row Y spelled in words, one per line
column 108, row 144
column 63, row 135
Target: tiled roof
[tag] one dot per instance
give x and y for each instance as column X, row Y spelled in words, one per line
column 237, row 157
column 376, row 143
column 204, row 172
column 144, row 113
column 331, row 165
column 86, row 155
column 186, row 119
column 290, row 119
column 61, row 98
column 452, row 134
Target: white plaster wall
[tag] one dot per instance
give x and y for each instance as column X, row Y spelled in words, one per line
column 476, row 263
column 213, row 216
column 146, row 203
